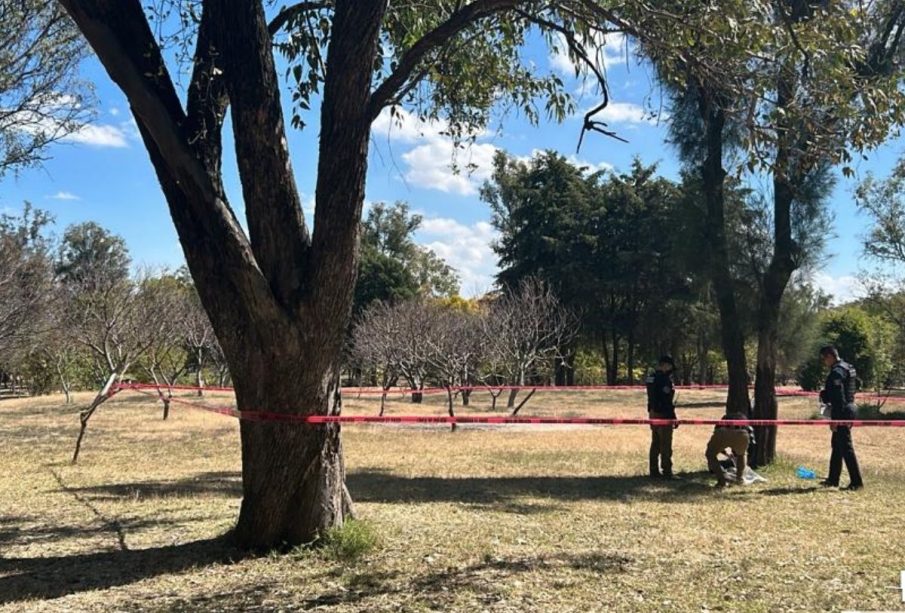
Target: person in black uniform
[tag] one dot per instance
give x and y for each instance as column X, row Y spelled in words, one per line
column 839, row 393
column 660, row 405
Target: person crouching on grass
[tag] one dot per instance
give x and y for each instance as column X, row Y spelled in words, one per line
column 661, row 394
column 736, row 438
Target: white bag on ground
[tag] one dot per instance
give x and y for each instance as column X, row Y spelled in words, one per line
column 749, row 477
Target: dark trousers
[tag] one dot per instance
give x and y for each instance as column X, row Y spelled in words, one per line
column 660, row 447
column 844, row 450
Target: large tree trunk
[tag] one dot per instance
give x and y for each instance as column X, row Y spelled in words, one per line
column 279, row 299
column 293, row 476
column 765, row 405
column 775, row 281
column 713, row 176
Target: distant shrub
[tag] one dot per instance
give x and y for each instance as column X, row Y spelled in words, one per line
column 869, row 410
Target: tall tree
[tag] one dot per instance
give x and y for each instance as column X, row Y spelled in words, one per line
column 699, row 129
column 42, row 99
column 392, row 265
column 604, row 242
column 840, row 93
column 26, row 280
column 90, row 254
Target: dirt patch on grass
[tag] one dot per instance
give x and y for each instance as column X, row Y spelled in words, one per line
column 499, row 519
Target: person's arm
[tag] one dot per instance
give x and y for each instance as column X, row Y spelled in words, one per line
column 669, row 399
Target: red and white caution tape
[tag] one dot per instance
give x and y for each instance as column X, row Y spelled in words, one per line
column 269, row 416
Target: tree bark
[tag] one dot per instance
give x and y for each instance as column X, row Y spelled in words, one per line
column 85, row 415
column 451, row 407
column 713, row 176
column 199, row 380
column 279, row 302
column 293, row 476
column 522, row 403
column 775, row 281
column 493, row 397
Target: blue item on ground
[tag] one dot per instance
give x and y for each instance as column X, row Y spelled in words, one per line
column 805, row 473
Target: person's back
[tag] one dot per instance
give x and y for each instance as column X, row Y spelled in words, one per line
column 736, row 437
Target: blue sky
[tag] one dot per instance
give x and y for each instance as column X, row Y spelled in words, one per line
column 103, row 174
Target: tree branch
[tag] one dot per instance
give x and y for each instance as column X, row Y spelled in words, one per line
column 277, row 229
column 436, row 38
column 578, row 49
column 207, row 99
column 291, row 12
column 213, row 241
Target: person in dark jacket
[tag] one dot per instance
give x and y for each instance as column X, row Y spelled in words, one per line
column 839, row 394
column 661, row 405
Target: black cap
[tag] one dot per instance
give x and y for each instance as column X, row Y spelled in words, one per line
column 829, row 350
column 667, row 359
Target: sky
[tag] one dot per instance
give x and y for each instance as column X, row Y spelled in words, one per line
column 102, row 173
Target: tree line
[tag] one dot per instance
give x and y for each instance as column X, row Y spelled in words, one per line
column 75, row 316
column 508, row 339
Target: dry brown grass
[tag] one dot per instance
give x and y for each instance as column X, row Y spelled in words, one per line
column 496, row 519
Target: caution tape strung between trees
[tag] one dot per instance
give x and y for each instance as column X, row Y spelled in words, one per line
column 428, row 391
column 270, row 416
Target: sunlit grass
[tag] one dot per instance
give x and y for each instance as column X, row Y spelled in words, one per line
column 488, row 518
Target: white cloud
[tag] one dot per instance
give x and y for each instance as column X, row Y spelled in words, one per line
column 114, row 111
column 624, row 112
column 610, row 50
column 99, row 136
column 435, row 162
column 842, row 289
column 431, row 165
column 406, row 127
column 464, row 247
column 65, row 196
column 53, row 117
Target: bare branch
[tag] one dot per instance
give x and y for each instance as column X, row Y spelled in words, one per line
column 290, row 13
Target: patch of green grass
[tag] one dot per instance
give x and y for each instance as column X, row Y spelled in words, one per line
column 350, row 542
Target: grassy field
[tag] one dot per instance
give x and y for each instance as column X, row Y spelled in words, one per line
column 483, row 519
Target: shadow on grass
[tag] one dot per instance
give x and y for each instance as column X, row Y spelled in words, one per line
column 785, row 491
column 492, row 493
column 228, row 484
column 503, row 493
column 57, row 576
column 485, row 580
column 13, row 534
